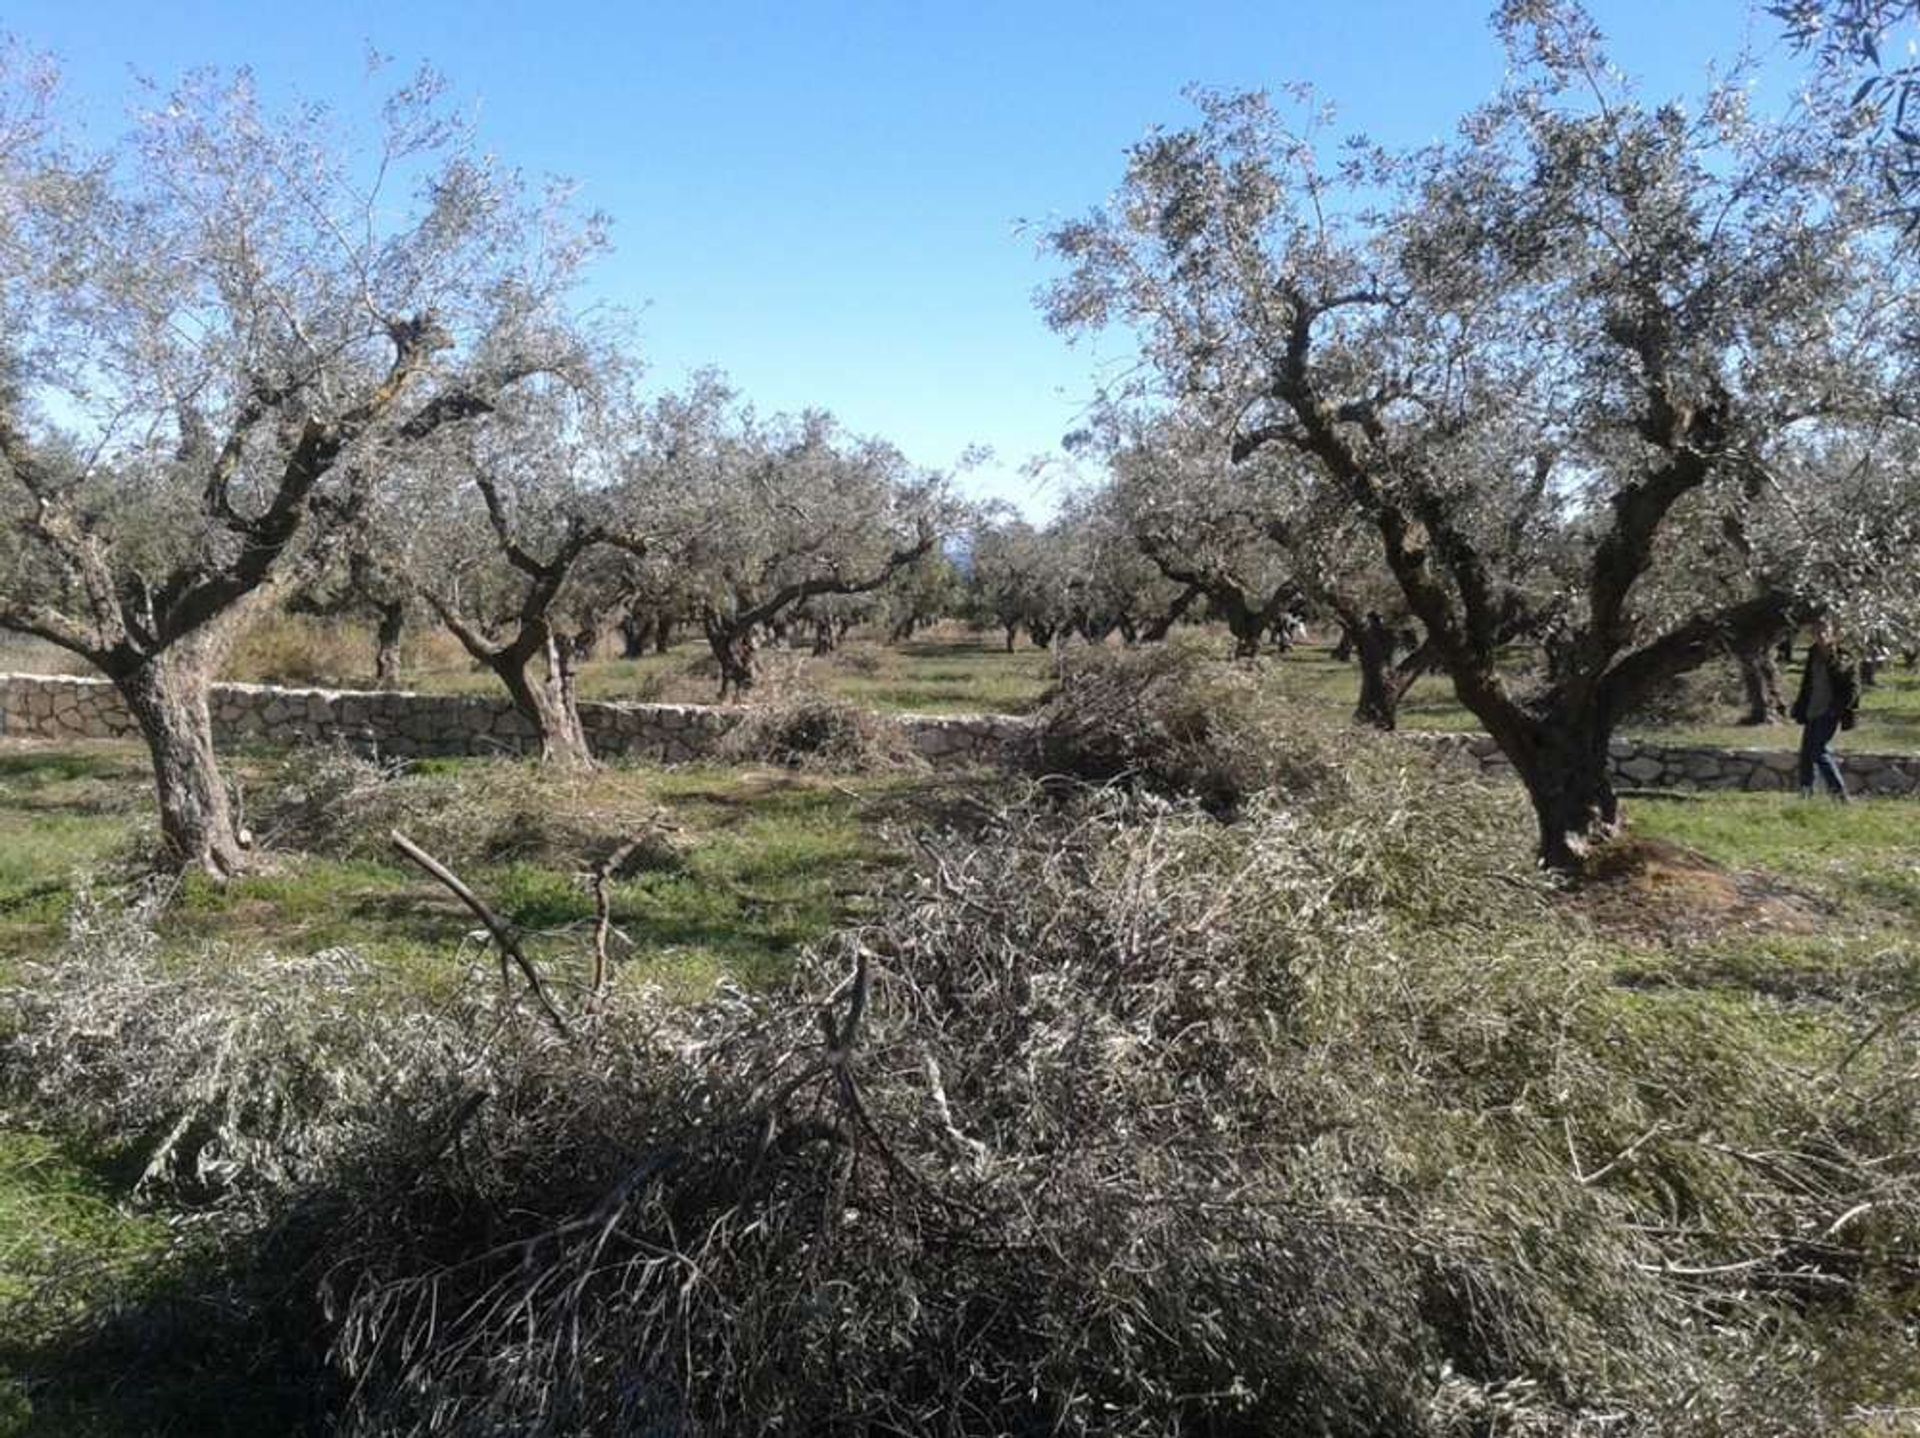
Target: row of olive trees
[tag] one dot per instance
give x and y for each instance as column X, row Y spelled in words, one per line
column 1635, row 379
column 243, row 356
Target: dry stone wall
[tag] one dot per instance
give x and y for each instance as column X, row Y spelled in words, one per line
column 1638, row 764
column 431, row 725
column 422, row 725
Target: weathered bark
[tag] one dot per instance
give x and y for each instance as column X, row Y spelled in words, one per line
column 585, row 640
column 1373, row 645
column 733, row 651
column 548, row 702
column 1760, row 677
column 1157, row 628
column 1566, row 774
column 823, row 637
column 390, row 625
column 635, row 634
column 167, row 696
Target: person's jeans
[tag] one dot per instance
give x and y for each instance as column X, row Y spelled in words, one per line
column 1816, row 752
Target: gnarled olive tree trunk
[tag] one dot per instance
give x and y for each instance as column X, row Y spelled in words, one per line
column 1760, row 678
column 167, row 696
column 1565, row 769
column 547, row 701
column 391, row 624
column 1384, row 682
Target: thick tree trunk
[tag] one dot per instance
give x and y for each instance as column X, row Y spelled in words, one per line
column 1380, row 690
column 1343, row 650
column 167, row 697
column 549, row 704
column 733, row 652
column 1760, row 677
column 1565, row 771
column 823, row 640
column 634, row 636
column 1159, row 627
column 1246, row 629
column 1013, row 633
column 391, row 624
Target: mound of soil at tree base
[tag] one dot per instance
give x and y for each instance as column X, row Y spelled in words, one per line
column 1650, row 891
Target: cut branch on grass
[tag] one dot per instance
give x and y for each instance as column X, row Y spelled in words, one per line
column 503, row 933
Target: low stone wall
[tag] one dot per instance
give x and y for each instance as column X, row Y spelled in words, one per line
column 1638, row 764
column 421, row 725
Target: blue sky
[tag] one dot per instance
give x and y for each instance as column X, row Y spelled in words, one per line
column 822, row 199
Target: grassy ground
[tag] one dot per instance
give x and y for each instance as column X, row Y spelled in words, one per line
column 1795, row 905
column 762, row 862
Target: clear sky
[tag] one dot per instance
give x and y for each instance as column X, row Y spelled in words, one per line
column 823, row 199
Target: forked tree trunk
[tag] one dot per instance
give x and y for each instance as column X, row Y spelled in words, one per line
column 1566, row 774
column 167, row 697
column 1760, row 677
column 1383, row 683
column 733, row 652
column 549, row 704
column 386, row 645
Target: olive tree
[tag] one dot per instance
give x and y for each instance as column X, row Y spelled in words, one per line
column 1106, row 581
column 1013, row 580
column 1869, row 77
column 773, row 513
column 1659, row 298
column 205, row 327
column 548, row 476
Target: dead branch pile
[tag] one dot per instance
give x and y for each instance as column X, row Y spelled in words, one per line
column 1128, row 1123
column 1170, row 719
column 811, row 731
column 472, row 812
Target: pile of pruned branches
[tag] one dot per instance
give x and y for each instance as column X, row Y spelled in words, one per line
column 1127, row 1122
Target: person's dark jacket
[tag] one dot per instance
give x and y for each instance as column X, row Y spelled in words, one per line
column 1846, row 689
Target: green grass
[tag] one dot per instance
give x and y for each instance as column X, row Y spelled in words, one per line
column 769, row 861
column 68, row 1240
column 957, row 672
column 1866, row 853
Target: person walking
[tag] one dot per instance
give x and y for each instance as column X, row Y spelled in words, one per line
column 1827, row 703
